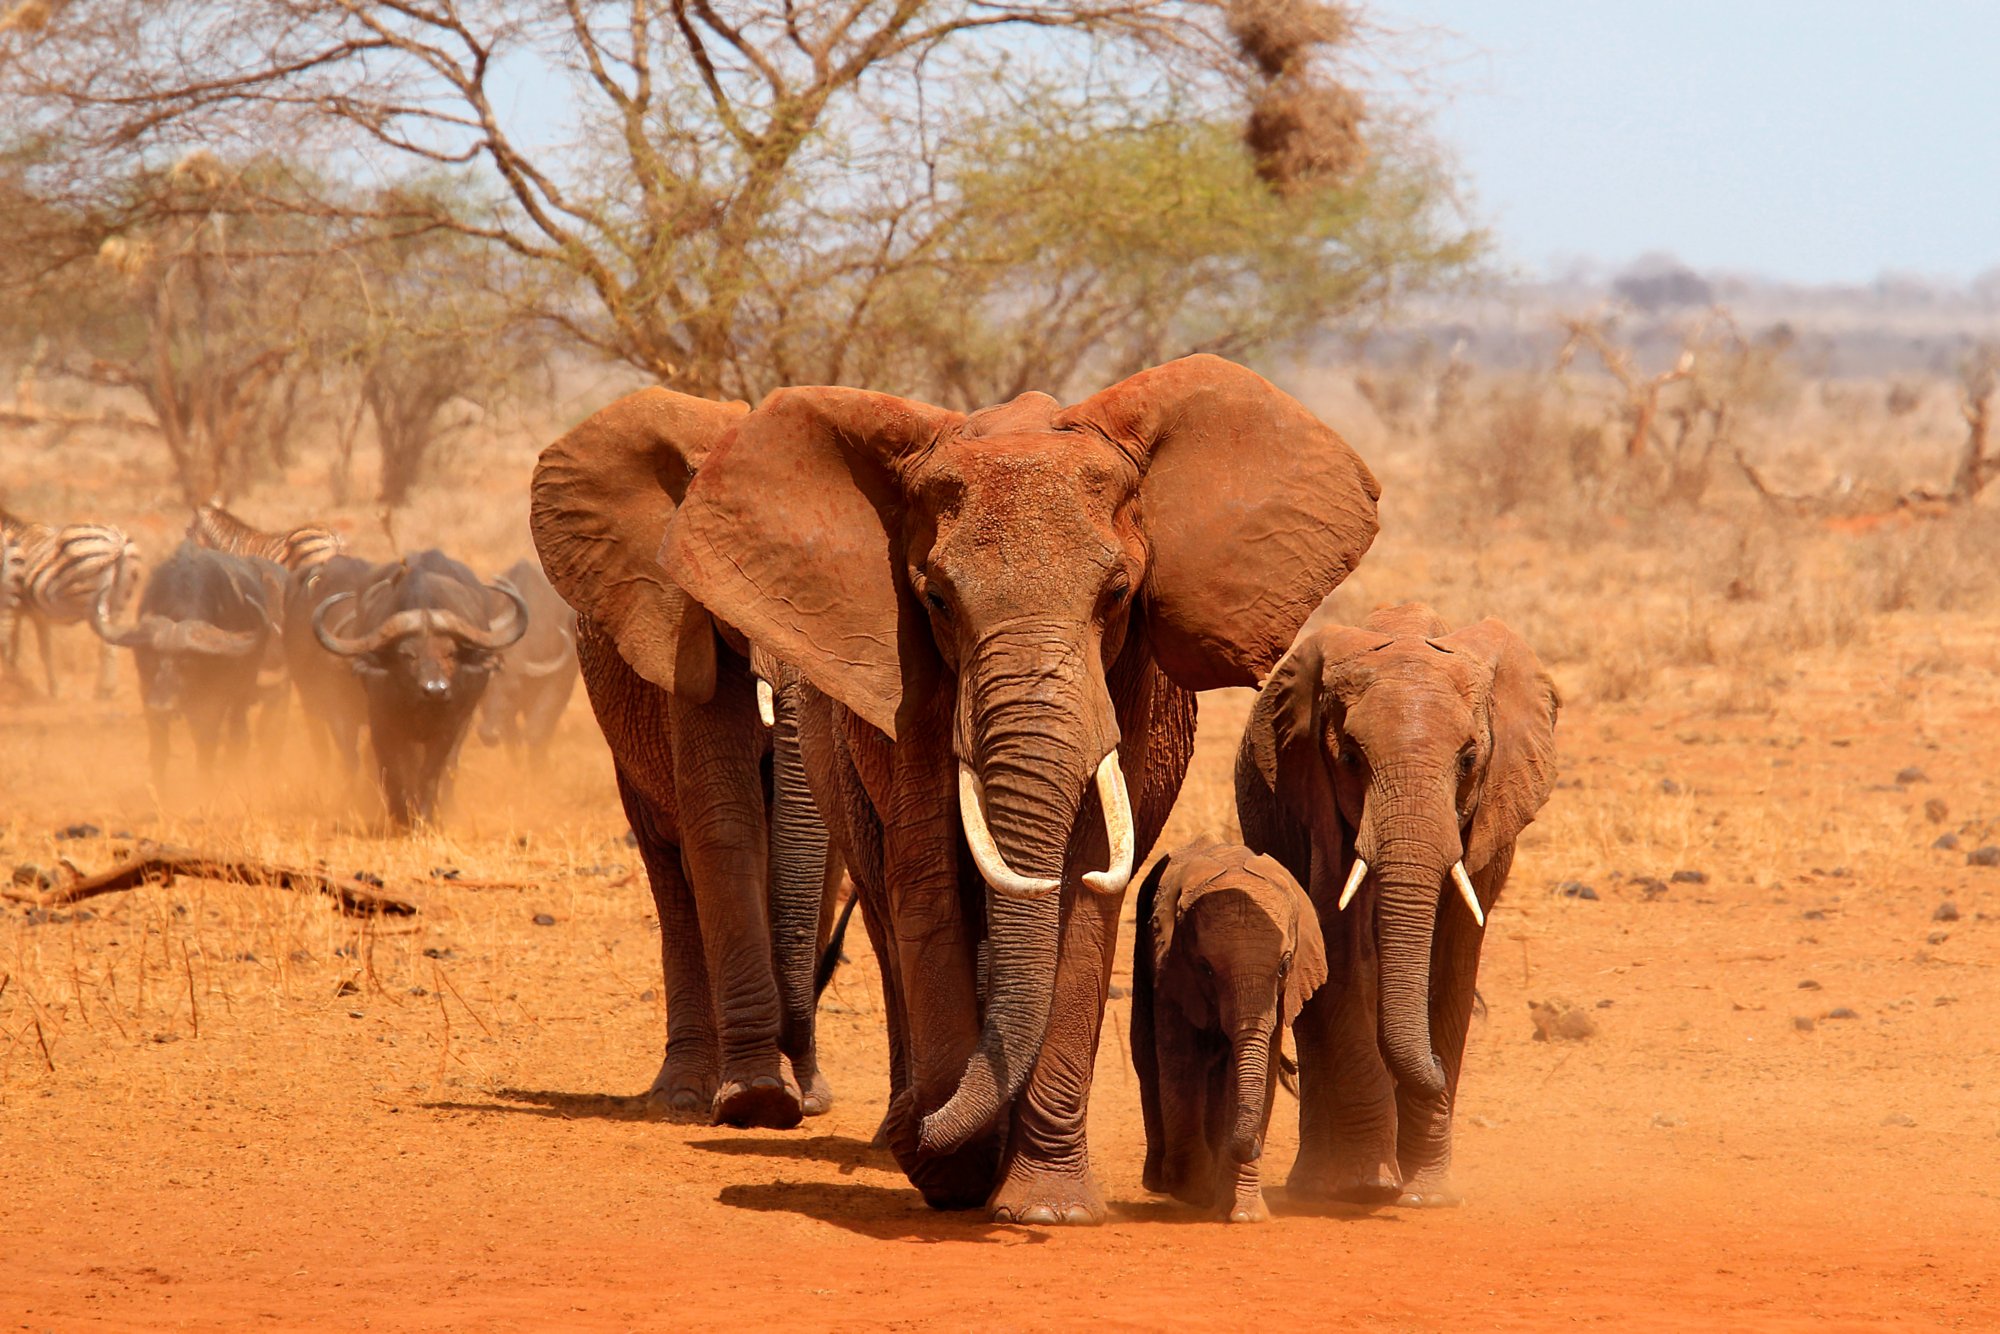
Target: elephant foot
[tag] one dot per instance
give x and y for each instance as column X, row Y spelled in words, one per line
column 816, row 1094
column 1365, row 1180
column 1430, row 1190
column 767, row 1099
column 684, row 1088
column 1040, row 1196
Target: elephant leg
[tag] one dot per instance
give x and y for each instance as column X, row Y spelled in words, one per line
column 689, row 1071
column 1424, row 1140
column 1184, row 1164
column 896, row 1022
column 1046, row 1176
column 718, row 783
column 798, row 860
column 1347, row 1104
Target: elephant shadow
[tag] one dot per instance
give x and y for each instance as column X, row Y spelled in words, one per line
column 558, row 1105
column 842, row 1151
column 881, row 1213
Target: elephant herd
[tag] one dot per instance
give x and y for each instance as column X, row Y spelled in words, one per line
column 977, row 640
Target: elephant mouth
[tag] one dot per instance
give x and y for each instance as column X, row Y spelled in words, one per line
column 1113, row 798
column 1359, row 872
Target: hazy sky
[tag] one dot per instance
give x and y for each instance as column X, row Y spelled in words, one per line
column 1816, row 140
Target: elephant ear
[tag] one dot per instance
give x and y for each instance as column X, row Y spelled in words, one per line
column 1309, row 971
column 599, row 507
column 792, row 534
column 1300, row 710
column 1522, row 769
column 1173, row 979
column 1254, row 509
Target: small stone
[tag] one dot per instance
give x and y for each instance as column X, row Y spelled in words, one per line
column 344, row 952
column 356, row 1014
column 68, row 832
column 368, row 878
column 1669, row 787
column 1814, row 914
column 1945, row 912
column 1803, row 1023
column 1668, row 1121
column 445, row 873
column 1946, row 843
column 246, row 957
column 1841, row 1012
column 1604, row 1004
column 1689, row 877
column 649, row 995
column 1902, row 1119
column 1560, row 1021
column 420, row 991
column 1117, row 992
column 544, row 919
column 1945, row 1000
column 440, row 952
column 1808, row 985
column 1912, row 775
column 166, row 1037
column 1937, row 937
column 631, row 840
column 1650, row 888
column 1935, row 810
column 1986, row 856
column 347, row 988
column 1576, row 889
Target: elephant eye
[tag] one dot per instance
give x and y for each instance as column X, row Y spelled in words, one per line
column 937, row 603
column 1284, row 967
column 1119, row 591
column 1349, row 758
column 1467, row 761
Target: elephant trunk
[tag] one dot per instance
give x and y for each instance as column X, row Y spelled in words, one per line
column 1019, row 801
column 798, row 872
column 1250, row 1071
column 1410, row 876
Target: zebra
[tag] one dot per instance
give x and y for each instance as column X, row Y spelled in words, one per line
column 59, row 576
column 299, row 549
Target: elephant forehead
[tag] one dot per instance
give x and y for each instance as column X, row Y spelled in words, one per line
column 1406, row 698
column 1239, row 906
column 1029, row 496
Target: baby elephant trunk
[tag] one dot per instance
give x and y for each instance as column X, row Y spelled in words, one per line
column 1250, row 1074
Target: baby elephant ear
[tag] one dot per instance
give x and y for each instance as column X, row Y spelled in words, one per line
column 599, row 507
column 1308, row 972
column 1523, row 710
column 1254, row 510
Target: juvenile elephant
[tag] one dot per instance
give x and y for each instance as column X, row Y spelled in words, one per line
column 1228, row 950
column 1006, row 615
column 734, row 851
column 1390, row 767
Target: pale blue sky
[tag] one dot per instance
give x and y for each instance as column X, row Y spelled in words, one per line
column 1812, row 140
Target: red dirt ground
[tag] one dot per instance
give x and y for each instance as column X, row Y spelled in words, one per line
column 256, row 1143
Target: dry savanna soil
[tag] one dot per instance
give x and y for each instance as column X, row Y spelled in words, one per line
column 232, row 1107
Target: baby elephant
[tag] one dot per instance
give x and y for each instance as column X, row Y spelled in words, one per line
column 1229, row 948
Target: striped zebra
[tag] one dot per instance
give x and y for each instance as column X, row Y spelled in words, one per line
column 299, row 549
column 59, row 576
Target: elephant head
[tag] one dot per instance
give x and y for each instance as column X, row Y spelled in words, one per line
column 1233, row 945
column 1421, row 754
column 908, row 559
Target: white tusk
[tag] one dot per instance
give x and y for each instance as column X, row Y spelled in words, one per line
column 1354, row 879
column 767, row 703
column 1464, row 882
column 985, row 854
column 1117, row 803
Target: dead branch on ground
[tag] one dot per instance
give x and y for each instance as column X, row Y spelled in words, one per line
column 158, row 863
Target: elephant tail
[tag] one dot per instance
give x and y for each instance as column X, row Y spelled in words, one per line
column 1288, row 1072
column 829, row 959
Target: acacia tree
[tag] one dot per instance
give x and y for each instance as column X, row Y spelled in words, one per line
column 736, row 189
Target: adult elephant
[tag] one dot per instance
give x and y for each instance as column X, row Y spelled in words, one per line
column 1006, row 615
column 735, row 852
column 1390, row 767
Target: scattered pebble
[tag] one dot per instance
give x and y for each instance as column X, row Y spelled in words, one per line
column 347, row 988
column 445, row 873
column 1937, row 937
column 420, row 991
column 1669, row 787
column 1935, row 810
column 1841, row 1012
column 1117, row 992
column 437, row 952
column 1946, row 843
column 1808, row 985
column 631, row 839
column 368, row 878
column 1650, row 887
column 1986, row 856
column 649, row 995
column 1576, row 889
column 356, row 1014
column 1689, row 877
column 1814, row 914
column 68, row 832
column 1945, row 1000
column 1945, row 912
column 1668, row 1121
column 1604, row 1004
column 166, row 1037
column 344, row 952
column 544, row 919
column 1912, row 775
column 1804, row 1023
column 1903, row 1119
column 1560, row 1021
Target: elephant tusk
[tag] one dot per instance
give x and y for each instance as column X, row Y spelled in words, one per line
column 1354, row 879
column 1117, row 803
column 1465, row 892
column 767, row 703
column 985, row 853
